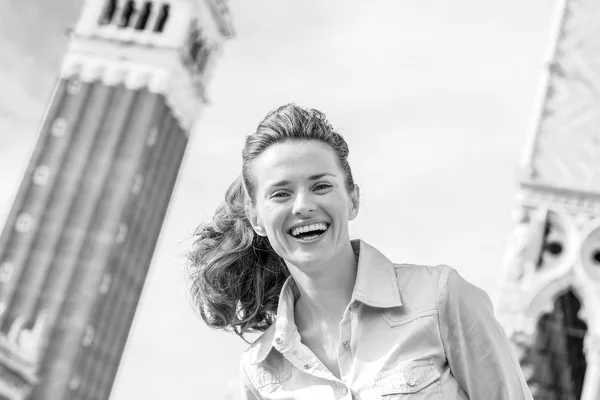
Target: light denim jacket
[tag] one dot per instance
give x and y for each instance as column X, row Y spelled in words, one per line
column 410, row 332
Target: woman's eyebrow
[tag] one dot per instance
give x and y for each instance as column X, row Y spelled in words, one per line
column 279, row 184
column 310, row 178
column 319, row 176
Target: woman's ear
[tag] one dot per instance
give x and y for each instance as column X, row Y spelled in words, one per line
column 354, row 203
column 254, row 220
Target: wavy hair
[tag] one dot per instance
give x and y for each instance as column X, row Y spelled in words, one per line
column 235, row 275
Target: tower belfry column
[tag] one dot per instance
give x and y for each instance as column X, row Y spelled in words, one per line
column 79, row 239
column 550, row 294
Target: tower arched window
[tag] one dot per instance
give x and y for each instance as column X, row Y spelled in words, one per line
column 140, row 25
column 128, row 12
column 163, row 16
column 556, row 356
column 109, row 12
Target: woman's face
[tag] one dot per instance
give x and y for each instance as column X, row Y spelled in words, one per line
column 301, row 202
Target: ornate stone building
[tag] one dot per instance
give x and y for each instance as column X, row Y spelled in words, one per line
column 550, row 297
column 78, row 241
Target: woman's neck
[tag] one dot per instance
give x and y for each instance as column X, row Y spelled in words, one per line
column 325, row 293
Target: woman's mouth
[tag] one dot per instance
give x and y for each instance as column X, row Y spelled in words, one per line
column 309, row 232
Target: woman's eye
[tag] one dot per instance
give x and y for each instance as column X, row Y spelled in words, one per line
column 322, row 186
column 280, row 194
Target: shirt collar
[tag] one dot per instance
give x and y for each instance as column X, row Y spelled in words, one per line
column 376, row 283
column 376, row 286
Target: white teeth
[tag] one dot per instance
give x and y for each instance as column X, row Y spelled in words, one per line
column 308, row 228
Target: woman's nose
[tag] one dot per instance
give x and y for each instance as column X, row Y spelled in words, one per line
column 303, row 204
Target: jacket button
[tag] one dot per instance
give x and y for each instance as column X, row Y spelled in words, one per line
column 346, row 345
column 411, row 382
column 279, row 341
column 344, row 390
column 306, row 366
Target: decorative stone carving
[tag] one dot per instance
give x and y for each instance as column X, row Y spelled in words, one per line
column 122, row 233
column 59, row 127
column 590, row 251
column 7, row 270
column 138, row 182
column 88, row 336
column 105, row 284
column 41, row 174
column 525, row 246
column 74, row 87
column 24, row 223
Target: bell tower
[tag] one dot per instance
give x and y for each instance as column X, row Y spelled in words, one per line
column 78, row 241
column 550, row 296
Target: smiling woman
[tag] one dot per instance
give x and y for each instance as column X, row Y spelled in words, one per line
column 339, row 320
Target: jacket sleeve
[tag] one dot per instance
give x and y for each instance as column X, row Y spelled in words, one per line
column 248, row 392
column 477, row 349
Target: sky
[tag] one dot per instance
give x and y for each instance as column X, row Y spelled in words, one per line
column 436, row 101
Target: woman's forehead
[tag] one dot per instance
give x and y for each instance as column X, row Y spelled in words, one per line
column 296, row 154
column 294, row 161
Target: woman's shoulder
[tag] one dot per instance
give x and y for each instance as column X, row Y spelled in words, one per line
column 411, row 275
column 429, row 283
column 441, row 284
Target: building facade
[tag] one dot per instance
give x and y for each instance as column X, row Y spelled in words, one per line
column 79, row 238
column 550, row 297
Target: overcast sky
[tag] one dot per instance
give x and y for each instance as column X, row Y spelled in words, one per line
column 435, row 99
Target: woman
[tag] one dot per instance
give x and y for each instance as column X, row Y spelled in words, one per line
column 340, row 320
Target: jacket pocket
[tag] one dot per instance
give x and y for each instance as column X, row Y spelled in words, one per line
column 396, row 317
column 409, row 378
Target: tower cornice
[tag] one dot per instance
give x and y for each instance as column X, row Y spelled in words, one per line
column 561, row 198
column 158, row 69
column 165, row 46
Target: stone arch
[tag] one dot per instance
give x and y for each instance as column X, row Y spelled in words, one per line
column 589, row 254
column 555, row 360
column 543, row 300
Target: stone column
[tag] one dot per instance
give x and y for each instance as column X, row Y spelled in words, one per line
column 591, row 384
